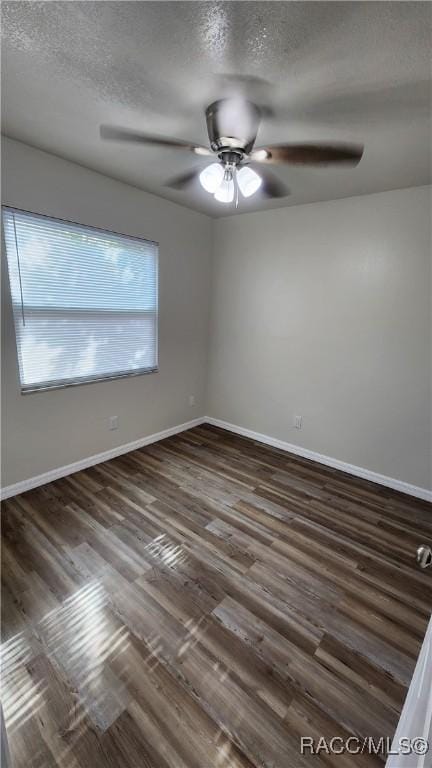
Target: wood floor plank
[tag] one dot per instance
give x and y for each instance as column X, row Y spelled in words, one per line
column 204, row 602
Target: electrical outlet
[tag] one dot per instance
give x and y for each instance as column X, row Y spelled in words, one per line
column 192, row 401
column 113, row 422
column 297, row 422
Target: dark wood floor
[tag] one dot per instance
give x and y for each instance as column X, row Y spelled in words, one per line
column 204, row 602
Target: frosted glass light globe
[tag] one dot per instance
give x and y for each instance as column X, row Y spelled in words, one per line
column 211, row 177
column 225, row 193
column 248, row 181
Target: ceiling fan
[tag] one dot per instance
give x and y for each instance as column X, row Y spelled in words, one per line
column 232, row 126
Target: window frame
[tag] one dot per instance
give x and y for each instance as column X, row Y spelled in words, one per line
column 80, row 381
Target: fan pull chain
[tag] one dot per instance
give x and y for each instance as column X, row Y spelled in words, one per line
column 236, row 188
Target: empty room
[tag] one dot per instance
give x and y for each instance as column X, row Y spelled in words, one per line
column 216, row 474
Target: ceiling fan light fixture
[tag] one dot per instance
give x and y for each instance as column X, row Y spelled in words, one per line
column 249, row 181
column 211, row 177
column 225, row 193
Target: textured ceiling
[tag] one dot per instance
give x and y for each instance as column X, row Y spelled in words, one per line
column 331, row 71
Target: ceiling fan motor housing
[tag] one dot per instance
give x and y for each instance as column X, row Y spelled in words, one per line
column 230, row 157
column 228, row 130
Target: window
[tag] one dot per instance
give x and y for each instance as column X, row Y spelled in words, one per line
column 84, row 301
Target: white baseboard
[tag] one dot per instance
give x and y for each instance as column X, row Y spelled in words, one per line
column 77, row 466
column 351, row 469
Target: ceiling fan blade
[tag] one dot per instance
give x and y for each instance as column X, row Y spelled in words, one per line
column 309, row 154
column 115, row 133
column 360, row 106
column 183, row 180
column 272, row 186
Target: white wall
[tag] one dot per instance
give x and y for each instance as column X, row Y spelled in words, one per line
column 324, row 310
column 321, row 310
column 46, row 430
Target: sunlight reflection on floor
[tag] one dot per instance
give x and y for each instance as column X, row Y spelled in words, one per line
column 21, row 696
column 80, row 639
column 166, row 551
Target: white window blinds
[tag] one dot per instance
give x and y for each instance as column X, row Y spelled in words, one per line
column 84, row 301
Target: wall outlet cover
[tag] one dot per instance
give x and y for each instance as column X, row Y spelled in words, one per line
column 298, row 421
